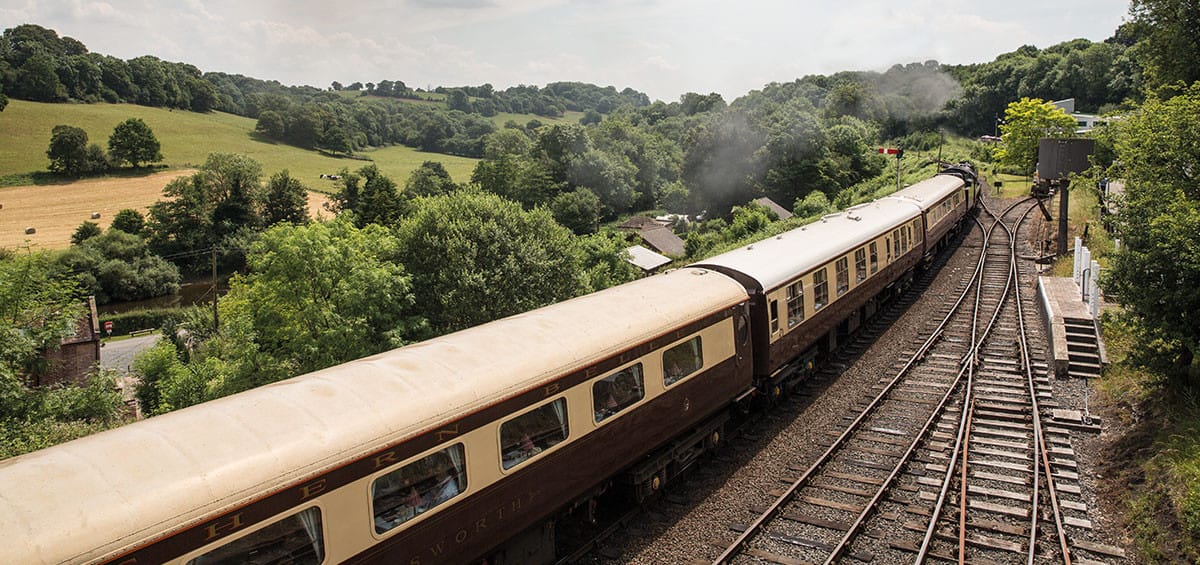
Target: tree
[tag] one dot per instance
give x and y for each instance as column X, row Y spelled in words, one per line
column 1025, row 122
column 476, row 257
column 313, row 296
column 815, row 204
column 37, row 79
column 1157, row 270
column 129, row 220
column 607, row 260
column 270, row 123
column 609, row 176
column 1171, row 27
column 336, row 140
column 286, row 200
column 95, row 159
column 335, row 85
column 590, row 117
column 133, row 141
column 154, row 368
column 371, row 195
column 430, row 179
column 236, row 181
column 202, row 210
column 68, row 150
column 39, row 306
column 116, row 266
column 85, row 231
column 458, row 100
column 578, row 210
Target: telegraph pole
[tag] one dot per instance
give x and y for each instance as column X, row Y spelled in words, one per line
column 216, row 324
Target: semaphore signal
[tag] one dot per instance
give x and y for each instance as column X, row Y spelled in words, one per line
column 898, row 153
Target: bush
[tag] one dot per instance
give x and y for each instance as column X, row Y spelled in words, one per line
column 153, row 367
column 84, row 232
column 129, row 220
column 116, row 266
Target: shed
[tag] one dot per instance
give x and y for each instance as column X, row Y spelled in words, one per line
column 662, row 240
column 72, row 360
column 646, row 260
column 638, row 223
column 771, row 205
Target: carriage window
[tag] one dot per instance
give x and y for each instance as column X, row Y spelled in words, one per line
column 889, row 249
column 860, row 265
column 295, row 539
column 917, row 233
column 774, row 316
column 820, row 289
column 618, row 391
column 843, row 275
column 682, row 360
column 533, row 432
column 413, row 489
column 795, row 303
column 874, row 258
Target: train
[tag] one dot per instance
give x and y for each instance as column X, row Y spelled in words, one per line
column 468, row 447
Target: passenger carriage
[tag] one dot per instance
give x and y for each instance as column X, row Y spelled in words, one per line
column 806, row 282
column 432, row 453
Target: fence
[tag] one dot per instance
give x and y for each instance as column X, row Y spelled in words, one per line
column 1087, row 275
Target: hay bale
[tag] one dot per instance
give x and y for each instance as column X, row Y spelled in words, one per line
column 95, row 215
column 30, row 230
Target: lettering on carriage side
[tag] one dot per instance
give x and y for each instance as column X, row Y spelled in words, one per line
column 447, row 433
column 507, row 509
column 552, row 388
column 385, row 459
column 312, row 489
column 217, row 529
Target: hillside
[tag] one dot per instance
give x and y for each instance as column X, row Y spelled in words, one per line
column 187, row 138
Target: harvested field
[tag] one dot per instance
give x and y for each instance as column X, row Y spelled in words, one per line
column 56, row 210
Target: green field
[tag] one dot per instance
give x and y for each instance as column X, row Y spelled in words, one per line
column 187, row 138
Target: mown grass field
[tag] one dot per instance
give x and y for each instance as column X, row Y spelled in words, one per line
column 187, row 138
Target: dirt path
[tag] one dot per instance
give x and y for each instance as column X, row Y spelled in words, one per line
column 55, row 210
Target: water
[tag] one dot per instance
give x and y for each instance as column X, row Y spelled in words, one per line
column 196, row 292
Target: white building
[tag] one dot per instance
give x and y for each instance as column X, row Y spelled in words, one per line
column 1084, row 122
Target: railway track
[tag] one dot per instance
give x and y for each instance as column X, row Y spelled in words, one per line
column 1008, row 376
column 877, row 473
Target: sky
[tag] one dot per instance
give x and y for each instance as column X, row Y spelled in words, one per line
column 664, row 48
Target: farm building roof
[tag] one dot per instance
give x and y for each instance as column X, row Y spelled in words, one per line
column 645, row 259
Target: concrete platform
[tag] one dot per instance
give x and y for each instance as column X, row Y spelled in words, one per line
column 1064, row 312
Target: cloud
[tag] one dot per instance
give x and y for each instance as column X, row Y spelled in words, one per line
column 662, row 47
column 455, row 4
column 659, row 62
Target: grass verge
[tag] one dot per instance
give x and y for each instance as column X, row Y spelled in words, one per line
column 1153, row 469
